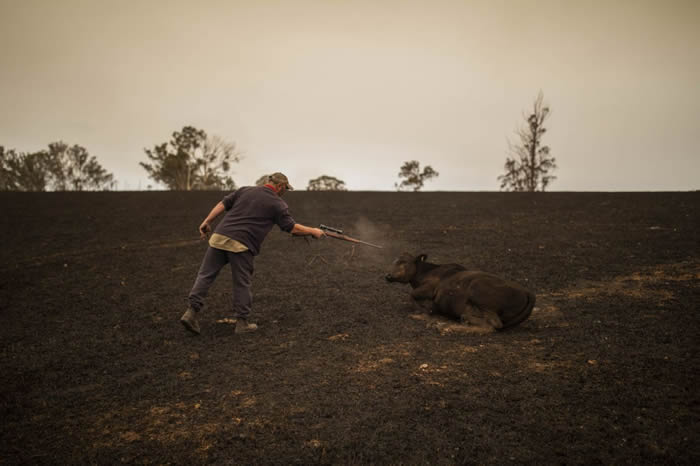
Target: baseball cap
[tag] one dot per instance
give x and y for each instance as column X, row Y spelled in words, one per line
column 278, row 178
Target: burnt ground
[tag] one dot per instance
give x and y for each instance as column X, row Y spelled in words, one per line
column 96, row 367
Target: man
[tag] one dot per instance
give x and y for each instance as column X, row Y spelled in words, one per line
column 251, row 212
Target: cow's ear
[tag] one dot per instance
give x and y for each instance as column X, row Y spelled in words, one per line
column 422, row 258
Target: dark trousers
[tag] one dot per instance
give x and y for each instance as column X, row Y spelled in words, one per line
column 241, row 272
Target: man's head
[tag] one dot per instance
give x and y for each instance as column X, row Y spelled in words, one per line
column 281, row 183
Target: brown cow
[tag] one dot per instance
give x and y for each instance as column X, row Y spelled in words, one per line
column 475, row 297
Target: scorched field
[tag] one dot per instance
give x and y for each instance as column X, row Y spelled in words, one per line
column 345, row 369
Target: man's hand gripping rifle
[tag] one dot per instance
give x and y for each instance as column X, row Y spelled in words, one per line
column 338, row 234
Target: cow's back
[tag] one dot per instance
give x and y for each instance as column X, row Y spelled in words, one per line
column 439, row 276
column 511, row 300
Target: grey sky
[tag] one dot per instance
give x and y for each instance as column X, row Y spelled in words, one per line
column 353, row 89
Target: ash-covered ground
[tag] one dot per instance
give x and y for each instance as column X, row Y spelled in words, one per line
column 96, row 367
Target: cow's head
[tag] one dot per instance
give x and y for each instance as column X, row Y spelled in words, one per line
column 405, row 267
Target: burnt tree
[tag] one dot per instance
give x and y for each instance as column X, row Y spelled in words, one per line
column 529, row 164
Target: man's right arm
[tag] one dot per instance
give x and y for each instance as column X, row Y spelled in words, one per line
column 301, row 230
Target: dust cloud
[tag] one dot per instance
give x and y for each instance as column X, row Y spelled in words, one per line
column 381, row 235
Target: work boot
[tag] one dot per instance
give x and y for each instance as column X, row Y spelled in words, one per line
column 242, row 326
column 189, row 320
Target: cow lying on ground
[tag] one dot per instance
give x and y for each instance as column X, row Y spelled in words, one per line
column 475, row 297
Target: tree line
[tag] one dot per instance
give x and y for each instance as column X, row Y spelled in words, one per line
column 193, row 160
column 59, row 168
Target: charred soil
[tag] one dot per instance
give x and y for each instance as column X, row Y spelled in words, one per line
column 96, row 367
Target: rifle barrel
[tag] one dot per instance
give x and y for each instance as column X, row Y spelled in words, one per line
column 352, row 240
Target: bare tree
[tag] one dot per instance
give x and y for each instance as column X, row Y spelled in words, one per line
column 191, row 160
column 414, row 178
column 529, row 164
column 326, row 183
column 217, row 157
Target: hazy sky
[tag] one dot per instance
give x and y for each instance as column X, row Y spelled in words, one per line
column 353, row 89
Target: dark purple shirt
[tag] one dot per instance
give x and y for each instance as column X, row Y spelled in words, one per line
column 251, row 212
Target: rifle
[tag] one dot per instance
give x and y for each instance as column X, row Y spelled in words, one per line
column 338, row 234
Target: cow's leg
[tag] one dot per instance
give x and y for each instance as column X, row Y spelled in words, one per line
column 423, row 296
column 480, row 317
column 450, row 303
column 483, row 298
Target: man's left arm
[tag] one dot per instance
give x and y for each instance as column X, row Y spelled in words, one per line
column 205, row 227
